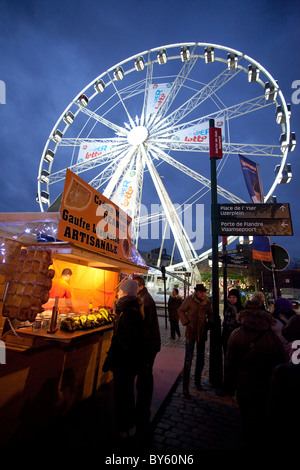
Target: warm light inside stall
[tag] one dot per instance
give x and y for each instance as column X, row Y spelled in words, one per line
column 87, row 285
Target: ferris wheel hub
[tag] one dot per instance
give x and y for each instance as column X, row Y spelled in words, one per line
column 137, row 135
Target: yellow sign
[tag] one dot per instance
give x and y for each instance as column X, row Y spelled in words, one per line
column 90, row 220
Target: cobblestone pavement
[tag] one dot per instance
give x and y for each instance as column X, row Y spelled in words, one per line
column 203, row 422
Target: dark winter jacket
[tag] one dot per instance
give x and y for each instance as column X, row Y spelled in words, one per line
column 151, row 326
column 230, row 322
column 127, row 349
column 195, row 315
column 173, row 305
column 253, row 352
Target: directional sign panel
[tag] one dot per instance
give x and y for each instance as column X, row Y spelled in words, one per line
column 237, row 266
column 253, row 226
column 250, row 211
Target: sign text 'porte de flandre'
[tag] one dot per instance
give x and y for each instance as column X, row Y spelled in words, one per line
column 253, row 219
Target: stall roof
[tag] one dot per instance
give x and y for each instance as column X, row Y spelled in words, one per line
column 73, row 254
column 25, row 227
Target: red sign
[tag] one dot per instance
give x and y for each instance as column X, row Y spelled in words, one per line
column 215, row 142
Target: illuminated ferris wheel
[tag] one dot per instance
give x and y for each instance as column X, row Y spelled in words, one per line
column 138, row 133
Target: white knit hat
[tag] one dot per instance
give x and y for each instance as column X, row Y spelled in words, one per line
column 129, row 287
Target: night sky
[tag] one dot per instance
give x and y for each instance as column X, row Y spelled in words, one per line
column 50, row 50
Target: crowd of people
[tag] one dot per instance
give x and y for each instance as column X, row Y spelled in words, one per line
column 261, row 351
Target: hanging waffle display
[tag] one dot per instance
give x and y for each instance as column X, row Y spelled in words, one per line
column 29, row 284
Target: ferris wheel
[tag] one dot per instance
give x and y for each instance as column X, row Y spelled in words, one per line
column 138, row 133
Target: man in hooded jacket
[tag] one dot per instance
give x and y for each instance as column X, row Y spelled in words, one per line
column 253, row 352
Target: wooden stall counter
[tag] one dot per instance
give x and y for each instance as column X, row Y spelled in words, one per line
column 33, row 336
column 45, row 375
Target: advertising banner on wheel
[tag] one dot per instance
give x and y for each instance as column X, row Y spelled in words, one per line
column 157, row 93
column 198, row 133
column 125, row 195
column 90, row 150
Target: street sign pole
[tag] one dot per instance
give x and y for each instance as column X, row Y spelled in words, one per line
column 224, row 243
column 215, row 356
column 280, row 261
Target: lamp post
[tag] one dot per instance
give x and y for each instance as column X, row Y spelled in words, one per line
column 215, row 356
column 224, row 243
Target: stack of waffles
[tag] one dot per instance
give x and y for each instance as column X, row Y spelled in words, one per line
column 29, row 284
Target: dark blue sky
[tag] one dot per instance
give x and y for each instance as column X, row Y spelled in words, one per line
column 50, row 50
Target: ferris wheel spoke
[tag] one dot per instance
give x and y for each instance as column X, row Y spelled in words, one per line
column 87, row 165
column 258, row 150
column 228, row 113
column 196, row 176
column 105, row 175
column 105, row 121
column 182, row 240
column 230, row 148
column 176, row 87
column 77, row 142
column 123, row 161
column 123, row 104
column 148, row 82
column 198, row 98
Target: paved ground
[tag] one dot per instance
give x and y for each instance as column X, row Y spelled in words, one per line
column 203, row 422
column 181, row 428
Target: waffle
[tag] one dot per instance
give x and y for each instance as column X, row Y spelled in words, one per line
column 29, row 284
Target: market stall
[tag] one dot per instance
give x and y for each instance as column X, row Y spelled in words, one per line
column 52, row 350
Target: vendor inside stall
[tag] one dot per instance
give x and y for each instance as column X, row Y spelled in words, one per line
column 61, row 288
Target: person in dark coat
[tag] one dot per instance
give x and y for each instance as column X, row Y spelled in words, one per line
column 230, row 323
column 283, row 311
column 253, row 352
column 195, row 313
column 126, row 355
column 174, row 303
column 145, row 381
column 283, row 408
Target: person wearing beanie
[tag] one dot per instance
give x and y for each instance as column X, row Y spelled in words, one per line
column 230, row 323
column 283, row 311
column 128, row 287
column 126, row 355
